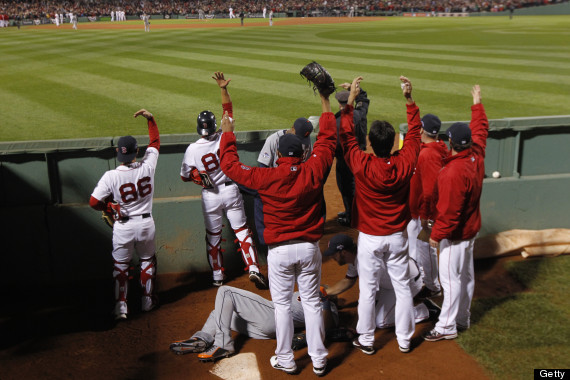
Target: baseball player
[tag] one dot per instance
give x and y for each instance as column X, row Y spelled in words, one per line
column 146, row 19
column 73, row 20
column 132, row 187
column 422, row 184
column 381, row 214
column 343, row 250
column 271, row 17
column 292, row 196
column 201, row 160
column 268, row 157
column 232, row 15
column 344, row 177
column 458, row 219
column 246, row 313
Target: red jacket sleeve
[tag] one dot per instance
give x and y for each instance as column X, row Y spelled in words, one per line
column 479, row 129
column 97, row 204
column 411, row 147
column 323, row 151
column 153, row 134
column 248, row 176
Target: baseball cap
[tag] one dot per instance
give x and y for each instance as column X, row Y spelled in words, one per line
column 459, row 133
column 290, row 145
column 342, row 96
column 303, row 128
column 337, row 243
column 431, row 124
column 126, row 149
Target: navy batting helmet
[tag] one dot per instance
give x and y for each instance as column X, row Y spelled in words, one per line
column 206, row 124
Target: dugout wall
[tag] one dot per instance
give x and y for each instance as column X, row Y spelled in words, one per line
column 52, row 236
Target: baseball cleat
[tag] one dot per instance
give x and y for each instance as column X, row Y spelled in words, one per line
column 275, row 364
column 368, row 350
column 344, row 221
column 433, row 309
column 214, row 353
column 320, row 371
column 405, row 350
column 192, row 345
column 258, row 279
column 218, row 282
column 121, row 317
column 434, row 336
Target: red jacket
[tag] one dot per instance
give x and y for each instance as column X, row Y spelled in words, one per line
column 459, row 185
column 382, row 185
column 292, row 193
column 422, row 184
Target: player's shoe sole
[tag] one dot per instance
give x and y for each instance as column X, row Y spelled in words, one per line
column 434, row 336
column 214, row 353
column 320, row 371
column 275, row 364
column 188, row 346
column 404, row 350
column 258, row 279
column 368, row 350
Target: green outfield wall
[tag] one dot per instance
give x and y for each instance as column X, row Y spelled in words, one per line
column 52, row 236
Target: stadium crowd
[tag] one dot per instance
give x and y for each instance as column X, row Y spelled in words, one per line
column 33, row 9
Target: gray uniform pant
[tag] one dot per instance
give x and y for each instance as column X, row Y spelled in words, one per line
column 239, row 310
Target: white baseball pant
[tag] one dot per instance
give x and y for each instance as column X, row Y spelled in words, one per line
column 288, row 262
column 457, row 276
column 393, row 251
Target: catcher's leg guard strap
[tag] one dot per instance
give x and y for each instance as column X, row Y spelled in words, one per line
column 148, row 275
column 121, row 276
column 247, row 246
column 214, row 250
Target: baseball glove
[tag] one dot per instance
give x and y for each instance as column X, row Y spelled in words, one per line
column 299, row 341
column 201, row 178
column 112, row 213
column 319, row 77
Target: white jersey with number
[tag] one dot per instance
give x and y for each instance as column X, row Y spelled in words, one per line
column 203, row 155
column 132, row 185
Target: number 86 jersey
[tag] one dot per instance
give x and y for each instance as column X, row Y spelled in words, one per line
column 203, row 155
column 132, row 185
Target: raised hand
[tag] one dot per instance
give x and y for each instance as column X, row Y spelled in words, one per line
column 219, row 78
column 476, row 92
column 143, row 112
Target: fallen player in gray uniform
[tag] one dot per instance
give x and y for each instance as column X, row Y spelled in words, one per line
column 248, row 314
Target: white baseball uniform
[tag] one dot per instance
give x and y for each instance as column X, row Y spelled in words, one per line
column 146, row 19
column 232, row 13
column 132, row 187
column 225, row 197
column 386, row 296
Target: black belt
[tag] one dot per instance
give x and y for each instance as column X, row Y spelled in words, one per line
column 227, row 183
column 126, row 218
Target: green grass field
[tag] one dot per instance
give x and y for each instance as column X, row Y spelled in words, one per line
column 61, row 83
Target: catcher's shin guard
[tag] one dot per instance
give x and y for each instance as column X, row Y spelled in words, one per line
column 147, row 278
column 214, row 252
column 121, row 277
column 247, row 248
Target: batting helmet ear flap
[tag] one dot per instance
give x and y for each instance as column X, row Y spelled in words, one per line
column 206, row 123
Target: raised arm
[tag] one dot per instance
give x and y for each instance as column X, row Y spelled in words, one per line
column 223, row 84
column 152, row 128
column 479, row 122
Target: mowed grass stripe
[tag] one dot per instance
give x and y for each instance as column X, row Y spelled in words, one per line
column 179, row 110
column 264, row 65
